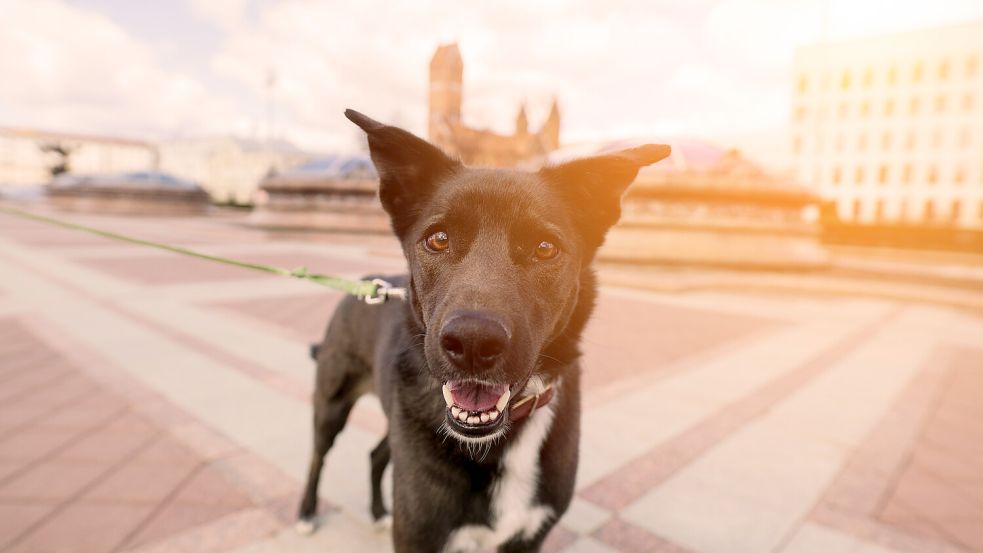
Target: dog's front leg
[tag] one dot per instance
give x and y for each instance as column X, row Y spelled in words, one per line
column 522, row 545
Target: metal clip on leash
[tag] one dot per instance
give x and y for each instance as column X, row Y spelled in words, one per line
column 383, row 291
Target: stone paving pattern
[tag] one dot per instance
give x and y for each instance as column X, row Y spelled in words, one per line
column 151, row 403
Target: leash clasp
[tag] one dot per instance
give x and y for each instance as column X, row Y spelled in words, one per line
column 383, row 291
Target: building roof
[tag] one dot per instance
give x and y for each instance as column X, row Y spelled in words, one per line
column 698, row 170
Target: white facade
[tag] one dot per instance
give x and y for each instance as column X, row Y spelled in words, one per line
column 24, row 162
column 228, row 169
column 891, row 128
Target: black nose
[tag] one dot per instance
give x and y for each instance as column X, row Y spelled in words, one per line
column 473, row 340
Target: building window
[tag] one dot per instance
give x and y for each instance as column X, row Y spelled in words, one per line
column 803, row 84
column 892, row 75
column 879, row 210
column 943, row 70
column 862, row 142
column 933, row 175
column 914, row 106
column 940, row 104
column 965, row 137
column 800, row 114
column 839, row 143
column 906, row 174
column 903, row 210
column 912, row 140
column 882, row 174
column 837, row 175
column 916, row 73
column 858, row 175
column 888, row 108
column 955, row 210
column 937, row 139
column 865, row 109
column 971, row 66
column 845, row 81
column 929, row 213
column 797, row 144
column 959, row 176
column 842, row 112
column 869, row 77
column 968, row 102
column 886, row 140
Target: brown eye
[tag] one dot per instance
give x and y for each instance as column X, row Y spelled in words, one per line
column 438, row 241
column 546, row 250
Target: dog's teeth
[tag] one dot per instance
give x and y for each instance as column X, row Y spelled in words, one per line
column 473, row 420
column 448, row 396
column 493, row 415
column 504, row 400
column 463, row 416
column 485, row 417
column 455, row 411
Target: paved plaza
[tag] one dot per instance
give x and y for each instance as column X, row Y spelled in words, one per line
column 155, row 403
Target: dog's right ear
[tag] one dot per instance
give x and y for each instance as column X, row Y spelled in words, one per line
column 408, row 166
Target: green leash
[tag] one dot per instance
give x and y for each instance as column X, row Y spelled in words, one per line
column 370, row 291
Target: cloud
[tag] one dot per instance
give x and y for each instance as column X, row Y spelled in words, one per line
column 66, row 68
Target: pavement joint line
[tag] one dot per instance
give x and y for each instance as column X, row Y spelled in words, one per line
column 809, row 449
column 73, row 498
column 166, row 502
column 772, row 392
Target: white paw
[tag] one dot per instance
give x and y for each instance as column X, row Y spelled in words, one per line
column 384, row 524
column 305, row 527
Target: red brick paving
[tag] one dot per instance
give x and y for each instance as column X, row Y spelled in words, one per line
column 90, row 471
column 629, row 538
column 173, row 269
column 669, row 333
column 303, row 316
column 870, row 497
column 940, row 486
column 634, row 479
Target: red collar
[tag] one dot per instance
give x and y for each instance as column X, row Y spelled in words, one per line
column 525, row 405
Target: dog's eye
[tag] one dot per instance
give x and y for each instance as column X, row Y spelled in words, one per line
column 546, row 250
column 438, row 241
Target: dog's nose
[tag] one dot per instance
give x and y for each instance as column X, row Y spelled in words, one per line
column 472, row 340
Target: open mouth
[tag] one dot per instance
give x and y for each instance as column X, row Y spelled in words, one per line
column 475, row 408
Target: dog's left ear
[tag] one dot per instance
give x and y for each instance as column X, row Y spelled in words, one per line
column 409, row 168
column 595, row 185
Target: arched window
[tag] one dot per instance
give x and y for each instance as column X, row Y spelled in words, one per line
column 943, row 70
column 845, row 81
column 858, row 175
column 869, row 77
column 916, row 73
column 803, row 84
column 882, row 174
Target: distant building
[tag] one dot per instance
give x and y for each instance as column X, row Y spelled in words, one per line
column 705, row 205
column 229, row 169
column 891, row 128
column 332, row 193
column 26, row 157
column 475, row 146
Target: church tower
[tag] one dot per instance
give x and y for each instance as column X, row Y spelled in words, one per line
column 521, row 122
column 446, row 76
column 551, row 129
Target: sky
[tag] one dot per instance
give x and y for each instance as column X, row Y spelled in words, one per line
column 715, row 69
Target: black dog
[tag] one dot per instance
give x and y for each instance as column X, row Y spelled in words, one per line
column 478, row 369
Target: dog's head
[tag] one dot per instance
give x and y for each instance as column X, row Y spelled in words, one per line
column 497, row 259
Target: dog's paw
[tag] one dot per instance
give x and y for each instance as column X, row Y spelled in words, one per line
column 383, row 523
column 305, row 526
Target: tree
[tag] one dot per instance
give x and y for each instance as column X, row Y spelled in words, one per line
column 61, row 154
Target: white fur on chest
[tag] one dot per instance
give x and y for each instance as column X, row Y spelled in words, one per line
column 513, row 510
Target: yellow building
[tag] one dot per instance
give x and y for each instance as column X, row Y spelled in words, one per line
column 24, row 161
column 891, row 128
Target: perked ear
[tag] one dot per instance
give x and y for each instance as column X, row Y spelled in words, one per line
column 408, row 167
column 595, row 185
